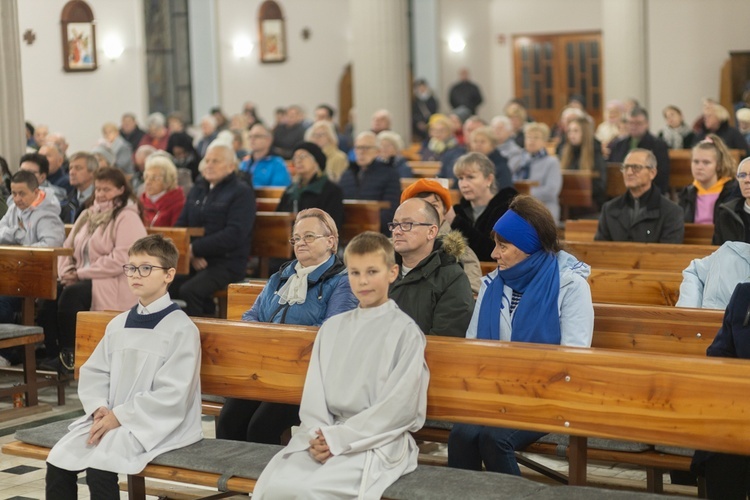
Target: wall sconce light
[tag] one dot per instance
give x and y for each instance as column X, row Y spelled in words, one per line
column 113, row 48
column 242, row 47
column 456, row 43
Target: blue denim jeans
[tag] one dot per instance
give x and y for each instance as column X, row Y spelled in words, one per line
column 471, row 445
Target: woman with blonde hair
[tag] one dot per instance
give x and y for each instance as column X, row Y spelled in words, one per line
column 581, row 152
column 713, row 168
column 162, row 198
column 390, row 145
column 483, row 140
column 324, row 135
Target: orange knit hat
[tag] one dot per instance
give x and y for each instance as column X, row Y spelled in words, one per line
column 428, row 186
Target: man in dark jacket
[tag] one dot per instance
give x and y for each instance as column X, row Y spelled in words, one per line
column 82, row 168
column 225, row 208
column 369, row 179
column 640, row 137
column 641, row 214
column 465, row 93
column 431, row 287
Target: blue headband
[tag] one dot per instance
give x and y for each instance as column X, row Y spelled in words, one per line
column 516, row 230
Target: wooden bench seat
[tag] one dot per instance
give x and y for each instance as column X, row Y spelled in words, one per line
column 424, row 168
column 585, row 230
column 578, row 392
column 645, row 256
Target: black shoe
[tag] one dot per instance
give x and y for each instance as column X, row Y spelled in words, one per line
column 64, row 363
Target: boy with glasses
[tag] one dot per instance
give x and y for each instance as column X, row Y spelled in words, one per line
column 140, row 389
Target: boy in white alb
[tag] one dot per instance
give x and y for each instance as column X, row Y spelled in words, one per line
column 366, row 389
column 140, row 388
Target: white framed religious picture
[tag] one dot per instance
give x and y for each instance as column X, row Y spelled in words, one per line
column 272, row 33
column 78, row 37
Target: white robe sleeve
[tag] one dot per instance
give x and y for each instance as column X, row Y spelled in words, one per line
column 401, row 407
column 169, row 399
column 94, row 377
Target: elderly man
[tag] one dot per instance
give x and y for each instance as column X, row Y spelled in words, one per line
column 261, row 168
column 55, row 158
column 82, row 168
column 431, row 286
column 208, row 129
column 40, row 134
column 433, row 192
column 380, row 121
column 465, row 93
column 158, row 134
column 225, row 208
column 289, row 133
column 130, row 131
column 38, row 165
column 641, row 214
column 640, row 137
column 442, row 146
column 367, row 178
column 508, row 148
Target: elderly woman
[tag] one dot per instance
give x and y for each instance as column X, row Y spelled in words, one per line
column 540, row 167
column 442, row 145
column 483, row 140
column 481, row 202
column 157, row 134
column 92, row 279
column 389, row 146
column 732, row 220
column 311, row 188
column 537, row 294
column 324, row 136
column 716, row 121
column 714, row 184
column 162, row 198
column 306, row 291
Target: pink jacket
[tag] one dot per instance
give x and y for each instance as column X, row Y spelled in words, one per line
column 110, row 289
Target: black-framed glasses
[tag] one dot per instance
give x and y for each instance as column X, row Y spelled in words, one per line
column 406, row 226
column 635, row 168
column 143, row 270
column 308, row 239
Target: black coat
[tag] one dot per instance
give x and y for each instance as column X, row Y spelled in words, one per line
column 731, row 136
column 621, row 148
column 319, row 193
column 728, row 222
column 478, row 232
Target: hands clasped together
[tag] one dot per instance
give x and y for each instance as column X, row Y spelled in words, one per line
column 319, row 448
column 104, row 421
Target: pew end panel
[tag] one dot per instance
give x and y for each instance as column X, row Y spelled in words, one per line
column 241, row 297
column 271, row 238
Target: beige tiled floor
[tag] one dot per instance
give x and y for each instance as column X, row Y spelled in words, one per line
column 30, row 485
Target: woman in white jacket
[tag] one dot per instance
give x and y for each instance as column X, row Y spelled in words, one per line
column 538, row 294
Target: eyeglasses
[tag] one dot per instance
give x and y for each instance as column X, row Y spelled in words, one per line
column 406, row 226
column 741, row 176
column 308, row 239
column 300, row 158
column 155, row 178
column 144, row 271
column 258, row 136
column 635, row 168
column 363, row 148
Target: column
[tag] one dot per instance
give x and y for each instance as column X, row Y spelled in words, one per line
column 426, row 42
column 12, row 129
column 380, row 55
column 624, row 40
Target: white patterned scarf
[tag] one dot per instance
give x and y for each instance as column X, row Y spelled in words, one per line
column 294, row 290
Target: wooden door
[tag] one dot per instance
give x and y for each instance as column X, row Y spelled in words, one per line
column 550, row 68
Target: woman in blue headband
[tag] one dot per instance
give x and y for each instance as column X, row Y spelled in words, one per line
column 537, row 294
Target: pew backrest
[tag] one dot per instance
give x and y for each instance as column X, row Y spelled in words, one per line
column 645, row 256
column 181, row 237
column 634, row 286
column 241, row 297
column 585, row 230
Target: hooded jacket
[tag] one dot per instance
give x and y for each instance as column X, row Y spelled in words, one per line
column 436, row 294
column 328, row 294
column 708, row 283
column 38, row 226
column 573, row 304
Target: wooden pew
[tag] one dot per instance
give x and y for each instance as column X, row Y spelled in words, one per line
column 615, row 182
column 680, row 172
column 412, row 152
column 424, row 168
column 585, row 230
column 360, row 216
column 271, row 238
column 646, row 256
column 241, row 297
column 583, row 393
column 633, row 286
column 269, row 192
column 577, row 190
column 524, row 187
column 266, row 204
column 181, row 237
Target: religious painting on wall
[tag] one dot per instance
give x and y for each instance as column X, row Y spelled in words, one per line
column 272, row 33
column 78, row 37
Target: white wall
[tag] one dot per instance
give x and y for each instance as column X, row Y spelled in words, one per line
column 77, row 104
column 311, row 74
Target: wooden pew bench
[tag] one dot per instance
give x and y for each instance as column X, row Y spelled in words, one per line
column 579, row 392
column 585, row 230
column 645, row 256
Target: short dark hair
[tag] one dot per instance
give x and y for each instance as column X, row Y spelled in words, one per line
column 38, row 159
column 30, row 128
column 156, row 245
column 328, row 109
column 535, row 213
column 639, row 111
column 25, row 177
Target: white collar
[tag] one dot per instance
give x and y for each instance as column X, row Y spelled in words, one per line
column 158, row 305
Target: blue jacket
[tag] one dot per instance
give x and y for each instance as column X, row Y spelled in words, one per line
column 268, row 171
column 379, row 182
column 328, row 294
column 227, row 213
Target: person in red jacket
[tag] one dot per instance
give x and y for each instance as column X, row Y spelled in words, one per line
column 162, row 198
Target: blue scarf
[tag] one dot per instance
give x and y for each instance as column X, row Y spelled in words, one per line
column 536, row 319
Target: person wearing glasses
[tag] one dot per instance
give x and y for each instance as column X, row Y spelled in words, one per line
column 431, row 287
column 642, row 214
column 732, row 222
column 260, row 167
column 92, row 278
column 306, row 291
